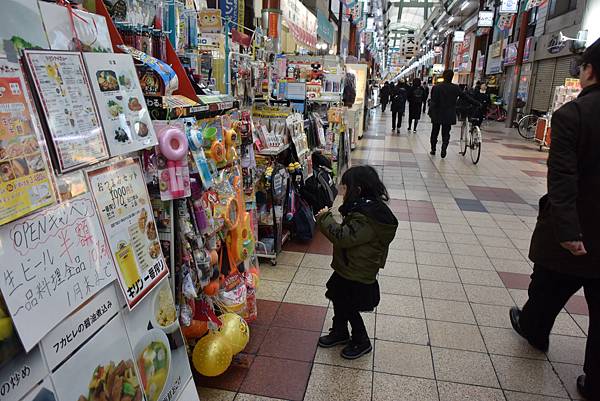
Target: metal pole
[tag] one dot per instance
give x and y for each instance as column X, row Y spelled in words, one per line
column 518, row 67
column 227, row 67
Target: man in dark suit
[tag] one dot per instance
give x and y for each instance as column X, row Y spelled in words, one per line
column 442, row 110
column 565, row 246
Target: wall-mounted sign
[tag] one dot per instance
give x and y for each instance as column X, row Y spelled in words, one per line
column 486, row 19
column 496, row 49
column 459, row 36
column 438, row 68
column 509, row 6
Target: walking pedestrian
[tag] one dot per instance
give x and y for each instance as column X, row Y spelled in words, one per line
column 565, row 246
column 360, row 249
column 442, row 110
column 398, row 98
column 384, row 95
column 426, row 90
column 416, row 93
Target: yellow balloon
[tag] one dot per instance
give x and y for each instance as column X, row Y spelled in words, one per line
column 235, row 330
column 212, row 355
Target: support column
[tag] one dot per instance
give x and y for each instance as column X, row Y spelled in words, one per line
column 518, row 68
column 271, row 21
column 448, row 50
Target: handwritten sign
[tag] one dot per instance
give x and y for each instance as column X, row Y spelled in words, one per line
column 81, row 325
column 126, row 214
column 51, row 263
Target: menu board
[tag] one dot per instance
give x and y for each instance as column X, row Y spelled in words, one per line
column 25, row 183
column 158, row 346
column 121, row 103
column 69, row 112
column 51, row 263
column 126, row 212
column 103, row 369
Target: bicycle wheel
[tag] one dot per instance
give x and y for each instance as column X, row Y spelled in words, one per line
column 527, row 125
column 475, row 144
column 463, row 138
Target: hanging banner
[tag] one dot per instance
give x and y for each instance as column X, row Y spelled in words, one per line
column 52, row 262
column 25, row 183
column 126, row 213
column 324, row 27
column 233, row 10
column 535, row 3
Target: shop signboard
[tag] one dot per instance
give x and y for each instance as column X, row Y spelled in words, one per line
column 550, row 45
column 324, row 27
column 52, row 262
column 68, row 108
column 509, row 6
column 25, row 183
column 438, row 68
column 486, row 19
column 459, row 36
column 120, row 101
column 126, row 213
column 408, row 46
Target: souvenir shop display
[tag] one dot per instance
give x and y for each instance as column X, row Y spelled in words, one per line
column 148, row 163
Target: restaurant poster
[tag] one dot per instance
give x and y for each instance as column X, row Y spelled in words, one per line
column 102, row 369
column 25, row 183
column 68, row 108
column 121, row 103
column 20, row 374
column 126, row 213
column 52, row 262
column 158, row 345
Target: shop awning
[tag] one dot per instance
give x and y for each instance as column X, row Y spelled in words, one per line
column 301, row 35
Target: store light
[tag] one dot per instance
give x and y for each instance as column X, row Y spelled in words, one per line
column 465, row 5
column 451, row 19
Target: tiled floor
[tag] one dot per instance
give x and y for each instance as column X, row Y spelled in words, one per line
column 441, row 332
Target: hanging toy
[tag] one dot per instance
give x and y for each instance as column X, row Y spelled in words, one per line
column 240, row 240
column 205, row 166
column 235, row 331
column 216, row 148
column 230, row 142
column 174, row 181
column 212, row 355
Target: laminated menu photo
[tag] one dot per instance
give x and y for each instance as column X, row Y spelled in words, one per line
column 125, row 210
column 67, row 106
column 25, row 182
column 158, row 345
column 121, row 103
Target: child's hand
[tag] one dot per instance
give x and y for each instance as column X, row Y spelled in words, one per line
column 324, row 210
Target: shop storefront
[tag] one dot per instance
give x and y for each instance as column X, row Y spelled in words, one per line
column 510, row 58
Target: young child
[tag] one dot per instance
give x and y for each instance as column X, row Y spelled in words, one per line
column 360, row 249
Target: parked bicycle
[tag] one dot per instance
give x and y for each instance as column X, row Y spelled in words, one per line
column 471, row 138
column 496, row 111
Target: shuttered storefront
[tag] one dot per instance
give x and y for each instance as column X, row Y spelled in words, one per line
column 544, row 78
column 550, row 74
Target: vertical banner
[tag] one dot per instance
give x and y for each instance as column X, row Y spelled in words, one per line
column 126, row 213
column 233, row 10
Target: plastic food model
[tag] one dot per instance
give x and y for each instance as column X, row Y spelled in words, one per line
column 173, row 145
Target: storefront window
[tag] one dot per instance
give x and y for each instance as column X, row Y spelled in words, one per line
column 560, row 7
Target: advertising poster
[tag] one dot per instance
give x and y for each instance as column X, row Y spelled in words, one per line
column 103, row 369
column 126, row 214
column 21, row 28
column 20, row 374
column 83, row 31
column 158, row 346
column 121, row 103
column 66, row 100
column 52, row 262
column 25, row 184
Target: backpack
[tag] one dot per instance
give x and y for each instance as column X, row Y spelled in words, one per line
column 319, row 190
column 304, row 222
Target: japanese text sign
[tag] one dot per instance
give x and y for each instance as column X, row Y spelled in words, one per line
column 126, row 214
column 51, row 263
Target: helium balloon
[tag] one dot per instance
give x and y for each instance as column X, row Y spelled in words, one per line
column 235, row 330
column 212, row 355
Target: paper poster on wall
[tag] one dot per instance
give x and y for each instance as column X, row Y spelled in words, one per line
column 52, row 262
column 121, row 103
column 79, row 31
column 69, row 112
column 25, row 183
column 103, row 369
column 21, row 374
column 158, row 345
column 126, row 213
column 21, row 28
column 72, row 332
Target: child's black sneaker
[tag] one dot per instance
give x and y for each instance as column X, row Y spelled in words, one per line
column 334, row 338
column 355, row 350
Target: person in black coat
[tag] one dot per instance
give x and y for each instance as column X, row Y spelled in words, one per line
column 416, row 94
column 426, row 90
column 480, row 94
column 442, row 110
column 398, row 98
column 384, row 95
column 565, row 246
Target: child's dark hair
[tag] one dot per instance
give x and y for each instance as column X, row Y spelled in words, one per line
column 363, row 182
